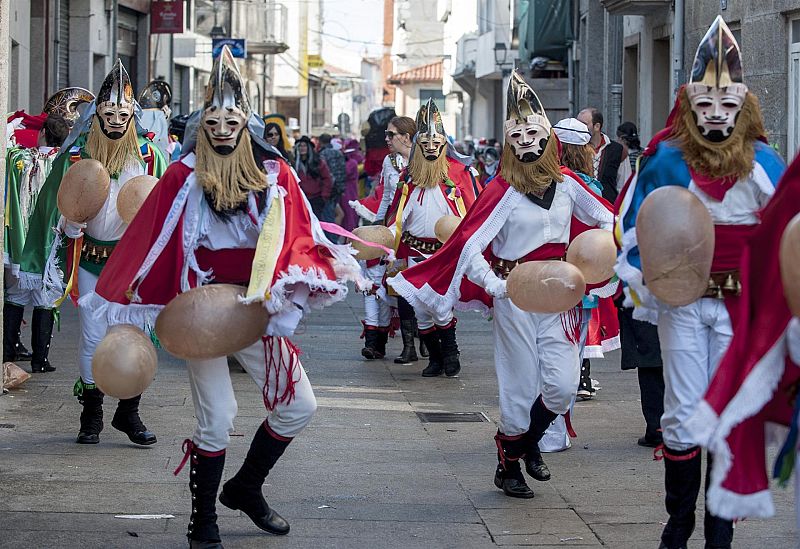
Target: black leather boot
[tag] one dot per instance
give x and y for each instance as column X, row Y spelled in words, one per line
column 92, row 414
column 541, row 418
column 508, row 476
column 718, row 531
column 435, row 366
column 450, row 354
column 423, row 349
column 371, row 349
column 243, row 491
column 12, row 323
column 42, row 334
column 383, row 338
column 682, row 471
column 409, row 354
column 127, row 420
column 205, row 474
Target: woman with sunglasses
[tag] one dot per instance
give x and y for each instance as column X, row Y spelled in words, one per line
column 275, row 135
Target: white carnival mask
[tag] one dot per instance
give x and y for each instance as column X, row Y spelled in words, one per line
column 432, row 145
column 529, row 138
column 223, row 127
column 114, row 118
column 716, row 109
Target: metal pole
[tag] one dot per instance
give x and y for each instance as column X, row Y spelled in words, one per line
column 114, row 30
column 4, row 43
column 677, row 47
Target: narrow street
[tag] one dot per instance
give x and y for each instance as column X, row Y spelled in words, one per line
column 366, row 473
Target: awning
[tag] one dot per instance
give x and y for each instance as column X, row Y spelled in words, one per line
column 544, row 29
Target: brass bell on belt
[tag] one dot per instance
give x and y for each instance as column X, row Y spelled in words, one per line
column 730, row 284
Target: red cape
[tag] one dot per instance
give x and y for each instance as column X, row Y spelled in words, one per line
column 440, row 282
column 752, row 385
column 302, row 257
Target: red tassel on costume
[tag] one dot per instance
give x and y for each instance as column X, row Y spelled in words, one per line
column 571, row 322
column 289, row 369
column 568, row 421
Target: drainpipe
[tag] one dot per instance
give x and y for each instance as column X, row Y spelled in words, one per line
column 678, row 73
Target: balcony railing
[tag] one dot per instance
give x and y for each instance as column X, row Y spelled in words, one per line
column 263, row 23
column 634, row 7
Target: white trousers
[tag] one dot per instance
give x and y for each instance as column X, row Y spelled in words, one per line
column 22, row 297
column 92, row 330
column 377, row 311
column 693, row 340
column 532, row 356
column 272, row 363
column 556, row 437
column 427, row 319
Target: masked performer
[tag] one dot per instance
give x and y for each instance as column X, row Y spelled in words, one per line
column 27, row 170
column 757, row 380
column 712, row 147
column 107, row 133
column 437, row 182
column 217, row 216
column 155, row 101
column 524, row 215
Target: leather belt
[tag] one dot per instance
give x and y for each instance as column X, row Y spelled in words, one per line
column 96, row 253
column 724, row 283
column 425, row 246
column 503, row 267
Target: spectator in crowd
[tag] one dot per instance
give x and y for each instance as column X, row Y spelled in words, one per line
column 315, row 178
column 275, row 135
column 354, row 158
column 628, row 135
column 611, row 165
column 336, row 165
column 488, row 162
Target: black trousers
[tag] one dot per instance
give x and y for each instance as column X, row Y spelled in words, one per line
column 651, row 386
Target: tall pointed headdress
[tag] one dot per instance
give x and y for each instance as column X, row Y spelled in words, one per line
column 225, row 88
column 718, row 61
column 429, row 121
column 156, row 95
column 523, row 105
column 65, row 103
column 116, row 87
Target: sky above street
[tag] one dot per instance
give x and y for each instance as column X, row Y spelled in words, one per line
column 351, row 28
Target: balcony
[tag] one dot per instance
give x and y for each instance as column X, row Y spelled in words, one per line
column 635, row 7
column 263, row 23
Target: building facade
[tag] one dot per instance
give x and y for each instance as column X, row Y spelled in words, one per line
column 659, row 39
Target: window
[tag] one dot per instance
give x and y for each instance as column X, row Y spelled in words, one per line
column 437, row 95
column 793, row 130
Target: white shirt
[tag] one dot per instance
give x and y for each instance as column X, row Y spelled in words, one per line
column 424, row 207
column 107, row 225
column 530, row 226
column 238, row 231
column 391, row 177
column 741, row 203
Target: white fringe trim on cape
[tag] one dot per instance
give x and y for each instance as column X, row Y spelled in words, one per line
column 712, row 431
column 362, row 211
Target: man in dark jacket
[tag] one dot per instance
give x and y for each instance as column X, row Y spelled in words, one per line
column 611, row 164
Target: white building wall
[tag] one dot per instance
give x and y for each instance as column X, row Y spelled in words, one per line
column 20, row 57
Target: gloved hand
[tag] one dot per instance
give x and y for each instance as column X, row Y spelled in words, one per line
column 73, row 230
column 496, row 286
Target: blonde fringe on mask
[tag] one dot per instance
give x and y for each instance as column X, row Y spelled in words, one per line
column 531, row 177
column 425, row 173
column 228, row 178
column 730, row 158
column 114, row 154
